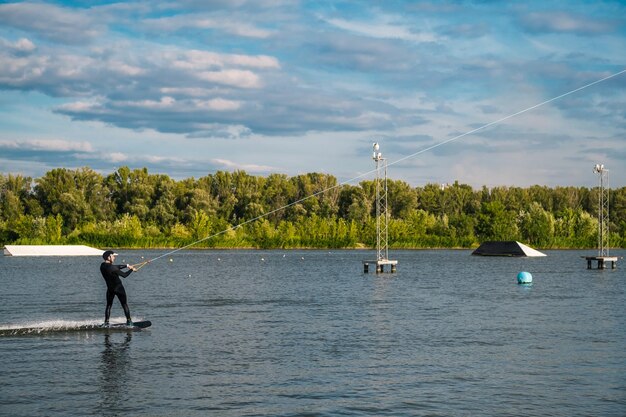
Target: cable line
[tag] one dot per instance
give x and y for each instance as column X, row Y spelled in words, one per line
column 510, row 116
column 507, row 117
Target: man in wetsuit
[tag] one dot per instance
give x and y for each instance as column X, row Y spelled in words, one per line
column 111, row 274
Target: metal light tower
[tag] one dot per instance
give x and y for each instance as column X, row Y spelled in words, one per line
column 382, row 228
column 382, row 217
column 603, row 209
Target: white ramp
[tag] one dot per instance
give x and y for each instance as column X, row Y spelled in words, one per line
column 530, row 251
column 51, row 250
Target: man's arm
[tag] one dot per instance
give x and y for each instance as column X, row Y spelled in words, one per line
column 121, row 273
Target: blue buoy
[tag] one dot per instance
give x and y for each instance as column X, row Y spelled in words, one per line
column 524, row 278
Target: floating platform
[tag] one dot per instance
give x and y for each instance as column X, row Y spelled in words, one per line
column 506, row 248
column 601, row 261
column 51, row 250
column 380, row 265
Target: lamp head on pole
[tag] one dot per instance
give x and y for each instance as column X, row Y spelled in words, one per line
column 376, row 156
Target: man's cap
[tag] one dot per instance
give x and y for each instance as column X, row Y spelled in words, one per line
column 108, row 253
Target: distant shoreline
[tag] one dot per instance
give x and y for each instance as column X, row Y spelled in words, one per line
column 337, row 249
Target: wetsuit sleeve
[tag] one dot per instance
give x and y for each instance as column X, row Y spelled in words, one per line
column 122, row 273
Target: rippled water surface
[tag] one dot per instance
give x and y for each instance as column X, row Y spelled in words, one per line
column 306, row 333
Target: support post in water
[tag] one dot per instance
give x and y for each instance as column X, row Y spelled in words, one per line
column 382, row 217
column 603, row 221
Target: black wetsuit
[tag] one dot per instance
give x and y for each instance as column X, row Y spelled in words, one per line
column 111, row 274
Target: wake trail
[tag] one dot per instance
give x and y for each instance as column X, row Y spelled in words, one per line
column 55, row 326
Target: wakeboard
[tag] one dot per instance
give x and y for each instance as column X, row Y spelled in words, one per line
column 68, row 327
column 136, row 325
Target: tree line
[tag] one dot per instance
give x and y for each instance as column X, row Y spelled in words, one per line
column 135, row 209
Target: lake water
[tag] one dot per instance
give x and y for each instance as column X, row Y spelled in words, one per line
column 306, row 333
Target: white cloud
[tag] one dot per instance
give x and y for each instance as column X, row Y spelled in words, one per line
column 232, row 77
column 50, row 145
column 383, row 30
column 16, row 71
column 218, row 104
column 216, row 130
column 125, row 69
column 251, row 81
column 201, row 60
column 258, row 61
column 187, row 91
column 233, row 27
column 246, row 167
column 164, row 103
column 566, row 22
column 117, row 157
column 225, row 24
column 52, row 22
column 22, row 45
column 79, row 106
column 160, row 159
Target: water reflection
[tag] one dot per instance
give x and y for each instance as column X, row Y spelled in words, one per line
column 114, row 364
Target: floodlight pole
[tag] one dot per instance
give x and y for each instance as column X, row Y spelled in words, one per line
column 603, row 257
column 382, row 216
column 603, row 209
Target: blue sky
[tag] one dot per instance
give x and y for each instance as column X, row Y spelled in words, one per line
column 186, row 88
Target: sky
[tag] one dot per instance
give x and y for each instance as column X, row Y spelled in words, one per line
column 187, row 88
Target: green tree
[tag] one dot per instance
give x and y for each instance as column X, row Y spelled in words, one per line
column 496, row 223
column 353, row 204
column 90, row 186
column 126, row 229
column 11, row 207
column 463, row 226
column 135, row 208
column 401, row 198
column 200, row 225
column 263, row 233
column 432, row 199
column 131, row 191
column 14, row 192
column 278, row 193
column 223, row 190
column 287, row 235
column 319, row 192
column 54, row 229
column 247, row 191
column 58, row 193
column 461, row 199
column 586, row 230
column 537, row 226
column 163, row 212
